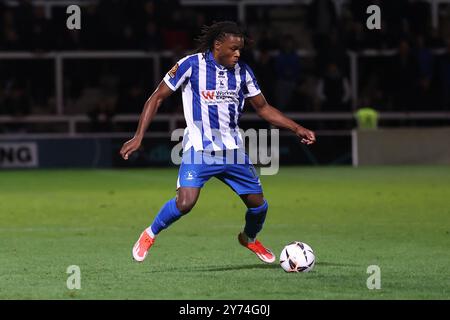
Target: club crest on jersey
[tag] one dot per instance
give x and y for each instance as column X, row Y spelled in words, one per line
column 173, row 70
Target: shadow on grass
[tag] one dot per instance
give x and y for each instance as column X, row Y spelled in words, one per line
column 333, row 264
column 243, row 267
column 218, row 269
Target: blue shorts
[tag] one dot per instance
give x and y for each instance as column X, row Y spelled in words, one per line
column 237, row 171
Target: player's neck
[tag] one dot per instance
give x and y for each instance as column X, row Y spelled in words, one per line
column 214, row 56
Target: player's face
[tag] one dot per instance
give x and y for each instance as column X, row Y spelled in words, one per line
column 229, row 50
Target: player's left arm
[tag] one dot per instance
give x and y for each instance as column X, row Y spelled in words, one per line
column 278, row 119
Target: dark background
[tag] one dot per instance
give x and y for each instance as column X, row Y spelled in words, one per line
column 300, row 55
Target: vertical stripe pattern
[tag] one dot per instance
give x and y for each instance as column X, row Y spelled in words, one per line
column 213, row 100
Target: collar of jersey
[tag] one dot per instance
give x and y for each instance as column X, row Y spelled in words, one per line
column 210, row 57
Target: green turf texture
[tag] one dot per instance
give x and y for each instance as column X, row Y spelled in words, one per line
column 395, row 217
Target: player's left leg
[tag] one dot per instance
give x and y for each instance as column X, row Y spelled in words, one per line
column 255, row 216
column 256, row 213
column 243, row 179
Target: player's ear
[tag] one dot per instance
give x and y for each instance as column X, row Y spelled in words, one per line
column 217, row 44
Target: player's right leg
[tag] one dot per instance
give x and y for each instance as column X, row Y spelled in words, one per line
column 168, row 214
column 193, row 174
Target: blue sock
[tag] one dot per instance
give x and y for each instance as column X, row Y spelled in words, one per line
column 254, row 220
column 168, row 214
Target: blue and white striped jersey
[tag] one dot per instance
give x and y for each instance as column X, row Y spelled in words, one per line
column 213, row 100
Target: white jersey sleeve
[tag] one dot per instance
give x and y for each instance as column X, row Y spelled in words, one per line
column 179, row 73
column 252, row 88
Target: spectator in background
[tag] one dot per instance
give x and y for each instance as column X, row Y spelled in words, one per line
column 412, row 80
column 266, row 40
column 304, row 97
column 404, row 77
column 101, row 116
column 434, row 39
column 358, row 9
column 333, row 90
column 166, row 12
column 426, row 96
column 90, row 31
column 151, row 39
column 146, row 14
column 381, row 39
column 40, row 33
column 9, row 34
column 129, row 38
column 287, row 69
column 354, row 36
column 321, row 19
column 2, row 10
column 264, row 70
column 175, row 35
column 444, row 70
column 395, row 13
column 373, row 94
column 104, row 107
column 131, row 99
column 15, row 100
column 110, row 21
column 72, row 40
column 333, row 50
column 23, row 19
column 196, row 24
column 424, row 58
column 418, row 15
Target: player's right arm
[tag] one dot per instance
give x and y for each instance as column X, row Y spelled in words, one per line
column 148, row 113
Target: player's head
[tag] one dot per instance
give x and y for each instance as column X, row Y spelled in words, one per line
column 225, row 39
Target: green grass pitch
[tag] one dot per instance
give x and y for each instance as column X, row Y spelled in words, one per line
column 397, row 218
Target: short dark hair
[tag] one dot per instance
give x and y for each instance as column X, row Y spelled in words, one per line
column 218, row 31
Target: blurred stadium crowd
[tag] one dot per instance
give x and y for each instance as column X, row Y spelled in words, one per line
column 415, row 77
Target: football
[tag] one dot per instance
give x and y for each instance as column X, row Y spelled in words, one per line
column 297, row 257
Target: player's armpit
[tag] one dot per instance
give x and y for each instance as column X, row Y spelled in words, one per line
column 163, row 91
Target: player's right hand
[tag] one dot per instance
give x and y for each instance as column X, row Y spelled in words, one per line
column 307, row 136
column 129, row 147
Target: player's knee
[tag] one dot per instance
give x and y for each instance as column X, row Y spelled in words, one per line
column 185, row 205
column 260, row 209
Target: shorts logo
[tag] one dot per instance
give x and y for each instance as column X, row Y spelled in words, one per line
column 190, row 175
column 173, row 70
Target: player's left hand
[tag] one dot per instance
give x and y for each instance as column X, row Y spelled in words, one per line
column 129, row 147
column 307, row 136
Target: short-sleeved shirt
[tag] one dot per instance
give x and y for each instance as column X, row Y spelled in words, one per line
column 213, row 100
